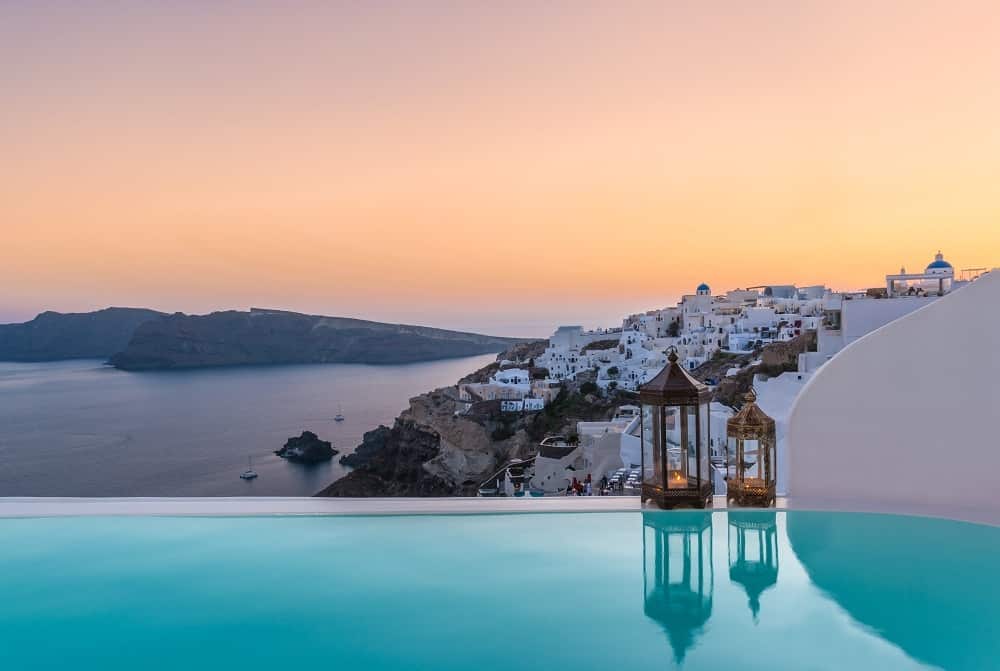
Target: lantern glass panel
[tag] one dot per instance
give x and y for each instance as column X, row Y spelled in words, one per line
column 692, row 439
column 678, row 427
column 731, row 457
column 731, row 465
column 652, row 469
column 753, row 460
column 773, row 474
column 703, row 456
column 672, row 429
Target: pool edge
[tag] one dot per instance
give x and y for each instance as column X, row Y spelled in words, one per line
column 17, row 507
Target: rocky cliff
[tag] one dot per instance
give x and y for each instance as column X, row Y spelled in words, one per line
column 431, row 451
column 276, row 337
column 89, row 335
column 775, row 359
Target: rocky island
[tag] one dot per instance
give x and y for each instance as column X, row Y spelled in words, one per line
column 307, row 448
column 140, row 339
column 232, row 338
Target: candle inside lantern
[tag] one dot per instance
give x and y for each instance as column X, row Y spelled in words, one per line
column 676, row 480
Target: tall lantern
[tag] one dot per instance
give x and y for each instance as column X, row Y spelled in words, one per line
column 678, row 579
column 752, row 459
column 675, row 439
column 753, row 553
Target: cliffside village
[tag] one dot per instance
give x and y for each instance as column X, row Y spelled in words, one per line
column 701, row 327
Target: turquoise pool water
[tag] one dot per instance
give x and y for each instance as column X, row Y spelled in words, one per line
column 796, row 590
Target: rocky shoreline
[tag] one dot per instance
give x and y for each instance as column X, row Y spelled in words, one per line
column 432, row 451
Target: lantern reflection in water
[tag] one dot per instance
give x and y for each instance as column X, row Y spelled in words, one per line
column 677, row 574
column 753, row 553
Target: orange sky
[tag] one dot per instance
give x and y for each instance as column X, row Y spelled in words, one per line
column 498, row 169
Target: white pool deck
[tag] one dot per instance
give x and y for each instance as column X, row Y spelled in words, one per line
column 259, row 506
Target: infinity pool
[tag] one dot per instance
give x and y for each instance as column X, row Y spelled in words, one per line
column 754, row 590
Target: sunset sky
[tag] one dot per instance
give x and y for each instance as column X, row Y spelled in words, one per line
column 492, row 166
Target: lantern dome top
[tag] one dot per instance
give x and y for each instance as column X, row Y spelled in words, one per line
column 750, row 417
column 673, row 385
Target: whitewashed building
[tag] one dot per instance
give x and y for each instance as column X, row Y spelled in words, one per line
column 513, row 387
column 899, row 418
column 699, row 326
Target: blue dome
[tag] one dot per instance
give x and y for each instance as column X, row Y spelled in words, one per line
column 704, row 287
column 939, row 264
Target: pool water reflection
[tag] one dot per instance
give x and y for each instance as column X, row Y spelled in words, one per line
column 692, row 590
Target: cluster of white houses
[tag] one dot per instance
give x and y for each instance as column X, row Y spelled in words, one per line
column 739, row 321
column 698, row 327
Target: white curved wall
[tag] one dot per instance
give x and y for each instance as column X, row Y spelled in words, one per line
column 910, row 414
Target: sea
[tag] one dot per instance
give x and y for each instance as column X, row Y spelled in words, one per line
column 81, row 428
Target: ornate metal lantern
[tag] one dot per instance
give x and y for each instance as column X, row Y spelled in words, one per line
column 678, row 579
column 753, row 553
column 752, row 459
column 675, row 439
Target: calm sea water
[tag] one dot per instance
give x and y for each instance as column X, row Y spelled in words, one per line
column 768, row 591
column 79, row 428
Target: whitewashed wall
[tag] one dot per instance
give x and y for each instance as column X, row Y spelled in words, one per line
column 910, row 413
column 863, row 316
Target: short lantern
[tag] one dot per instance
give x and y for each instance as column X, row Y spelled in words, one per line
column 752, row 460
column 675, row 439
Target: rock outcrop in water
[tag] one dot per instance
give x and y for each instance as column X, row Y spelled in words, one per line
column 52, row 336
column 307, row 448
column 278, row 337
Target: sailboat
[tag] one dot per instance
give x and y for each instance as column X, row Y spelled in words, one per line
column 249, row 474
column 339, row 417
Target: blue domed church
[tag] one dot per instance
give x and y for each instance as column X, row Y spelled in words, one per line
column 939, row 266
column 936, row 280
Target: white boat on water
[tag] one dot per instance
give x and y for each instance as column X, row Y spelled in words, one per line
column 249, row 474
column 339, row 417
